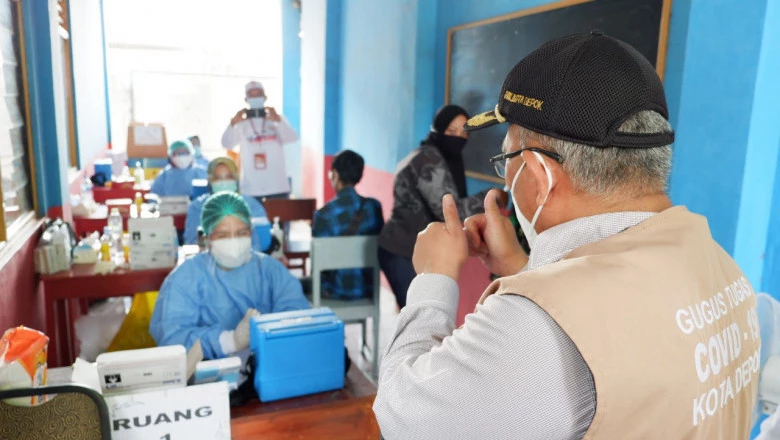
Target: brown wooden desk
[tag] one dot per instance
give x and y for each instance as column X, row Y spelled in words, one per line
column 342, row 414
column 64, row 291
column 97, row 220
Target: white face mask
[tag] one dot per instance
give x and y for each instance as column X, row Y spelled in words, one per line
column 258, row 102
column 528, row 228
column 182, row 161
column 231, row 253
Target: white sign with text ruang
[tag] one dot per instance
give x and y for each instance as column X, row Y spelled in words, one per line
column 199, row 411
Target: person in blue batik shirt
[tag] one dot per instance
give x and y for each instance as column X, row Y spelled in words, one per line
column 347, row 214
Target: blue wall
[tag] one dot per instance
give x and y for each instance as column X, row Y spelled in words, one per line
column 760, row 174
column 379, row 71
column 291, row 92
column 713, row 110
column 720, row 82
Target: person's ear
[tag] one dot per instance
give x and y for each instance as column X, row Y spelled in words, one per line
column 539, row 174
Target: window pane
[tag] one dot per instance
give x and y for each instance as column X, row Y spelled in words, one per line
column 14, row 160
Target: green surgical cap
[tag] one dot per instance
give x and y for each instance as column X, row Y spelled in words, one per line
column 180, row 144
column 221, row 205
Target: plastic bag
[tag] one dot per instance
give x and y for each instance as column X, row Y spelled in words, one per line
column 23, row 362
column 96, row 330
column 134, row 332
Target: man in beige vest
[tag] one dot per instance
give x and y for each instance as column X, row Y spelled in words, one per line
column 627, row 320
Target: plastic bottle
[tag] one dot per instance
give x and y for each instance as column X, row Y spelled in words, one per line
column 276, row 231
column 138, row 173
column 58, row 239
column 67, row 245
column 126, row 247
column 106, row 244
column 115, row 223
column 86, row 191
column 139, row 203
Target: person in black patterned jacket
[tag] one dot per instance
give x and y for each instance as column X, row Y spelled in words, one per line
column 429, row 172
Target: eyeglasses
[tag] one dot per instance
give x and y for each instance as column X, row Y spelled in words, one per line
column 499, row 161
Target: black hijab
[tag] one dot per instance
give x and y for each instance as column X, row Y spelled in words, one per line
column 451, row 147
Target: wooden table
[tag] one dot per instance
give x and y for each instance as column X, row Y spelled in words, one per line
column 342, row 414
column 65, row 294
column 64, row 291
column 118, row 191
column 96, row 221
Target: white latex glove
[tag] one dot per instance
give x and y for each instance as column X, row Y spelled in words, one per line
column 241, row 333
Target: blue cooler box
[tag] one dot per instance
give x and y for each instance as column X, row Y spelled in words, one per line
column 297, row 353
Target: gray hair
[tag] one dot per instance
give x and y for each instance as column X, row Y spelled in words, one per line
column 611, row 172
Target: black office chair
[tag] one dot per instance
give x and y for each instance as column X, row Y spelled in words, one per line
column 74, row 411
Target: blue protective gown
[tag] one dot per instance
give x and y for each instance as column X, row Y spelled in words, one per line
column 198, row 300
column 174, row 181
column 261, row 236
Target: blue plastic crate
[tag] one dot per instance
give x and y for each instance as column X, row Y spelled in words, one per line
column 297, row 353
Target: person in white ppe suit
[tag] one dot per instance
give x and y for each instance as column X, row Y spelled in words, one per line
column 261, row 134
column 213, row 295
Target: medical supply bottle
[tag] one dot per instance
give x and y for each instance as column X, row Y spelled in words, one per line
column 139, row 203
column 106, row 244
column 276, row 231
column 138, row 174
column 115, row 223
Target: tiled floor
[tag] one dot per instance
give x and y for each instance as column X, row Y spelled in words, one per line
column 388, row 314
column 388, row 311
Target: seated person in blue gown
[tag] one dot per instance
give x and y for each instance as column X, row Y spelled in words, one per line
column 176, row 178
column 347, row 214
column 223, row 176
column 213, row 295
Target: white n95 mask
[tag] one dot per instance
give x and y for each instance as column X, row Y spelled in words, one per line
column 182, row 161
column 256, row 102
column 528, row 228
column 231, row 253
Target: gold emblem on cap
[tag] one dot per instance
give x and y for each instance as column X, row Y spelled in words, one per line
column 482, row 118
column 523, row 100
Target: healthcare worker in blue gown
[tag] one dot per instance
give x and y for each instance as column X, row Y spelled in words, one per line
column 223, row 176
column 213, row 295
column 176, row 178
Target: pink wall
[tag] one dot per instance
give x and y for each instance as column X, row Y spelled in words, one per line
column 21, row 298
column 379, row 185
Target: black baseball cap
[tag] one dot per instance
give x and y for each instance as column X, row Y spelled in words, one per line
column 581, row 88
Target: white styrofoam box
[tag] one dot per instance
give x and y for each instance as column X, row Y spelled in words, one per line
column 171, row 205
column 147, row 368
column 155, row 260
column 158, row 232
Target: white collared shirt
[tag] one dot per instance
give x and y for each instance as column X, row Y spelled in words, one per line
column 510, row 372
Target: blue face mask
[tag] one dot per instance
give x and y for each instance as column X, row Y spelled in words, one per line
column 258, row 102
column 224, row 185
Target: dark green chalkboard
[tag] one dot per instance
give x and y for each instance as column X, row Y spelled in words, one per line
column 480, row 54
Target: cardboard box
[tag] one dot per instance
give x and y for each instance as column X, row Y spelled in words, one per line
column 297, row 353
column 146, row 140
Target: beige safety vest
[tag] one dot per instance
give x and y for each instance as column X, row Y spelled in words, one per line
column 667, row 324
